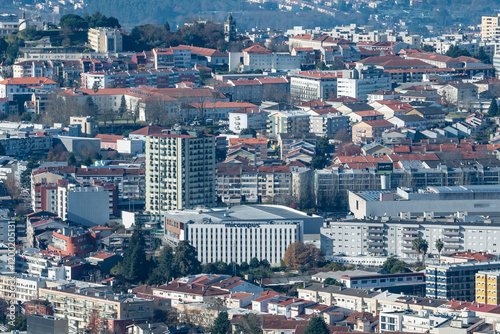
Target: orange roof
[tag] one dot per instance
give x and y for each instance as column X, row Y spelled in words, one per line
column 320, row 74
column 221, row 104
column 377, row 123
column 148, row 130
column 367, row 113
column 28, row 81
column 103, row 91
column 257, row 49
column 109, row 138
column 251, row 141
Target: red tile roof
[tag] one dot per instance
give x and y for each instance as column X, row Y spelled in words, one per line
column 257, row 49
column 27, row 81
column 148, row 130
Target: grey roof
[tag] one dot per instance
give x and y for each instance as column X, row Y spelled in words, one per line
column 341, row 290
column 410, row 118
column 463, row 86
column 241, row 213
column 428, row 111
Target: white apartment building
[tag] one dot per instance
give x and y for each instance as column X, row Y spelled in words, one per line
column 180, row 172
column 26, row 288
column 105, row 39
column 440, row 201
column 394, row 237
column 24, row 86
column 328, row 124
column 9, row 23
column 314, row 85
column 85, row 204
column 361, row 82
column 257, row 57
column 421, row 321
column 248, row 118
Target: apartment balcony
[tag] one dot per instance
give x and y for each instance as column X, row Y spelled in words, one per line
column 451, row 233
column 409, row 238
column 375, row 237
column 375, row 230
column 376, row 250
column 453, row 240
column 375, row 244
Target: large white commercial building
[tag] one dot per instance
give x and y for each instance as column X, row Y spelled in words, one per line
column 387, row 237
column 439, row 201
column 240, row 233
column 361, row 82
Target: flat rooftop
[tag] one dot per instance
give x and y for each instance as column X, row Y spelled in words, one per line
column 241, row 213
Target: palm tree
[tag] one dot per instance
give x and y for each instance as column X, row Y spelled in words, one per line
column 439, row 246
column 417, row 246
column 424, row 247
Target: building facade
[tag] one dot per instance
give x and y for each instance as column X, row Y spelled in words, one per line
column 456, row 281
column 180, row 171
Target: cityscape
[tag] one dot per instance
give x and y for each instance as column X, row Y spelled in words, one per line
column 256, row 167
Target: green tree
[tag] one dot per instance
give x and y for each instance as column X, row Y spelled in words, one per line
column 163, row 271
column 222, row 325
column 428, row 48
column 493, row 109
column 26, row 174
column 135, row 266
column 320, row 65
column 167, row 26
column 249, row 131
column 482, row 56
column 87, row 162
column 317, row 325
column 73, row 22
column 439, row 246
column 254, row 262
column 122, row 110
column 455, row 51
column 72, row 159
column 420, row 246
column 425, row 248
column 186, row 259
column 393, row 265
column 19, row 323
column 332, row 281
column 265, row 264
column 318, row 162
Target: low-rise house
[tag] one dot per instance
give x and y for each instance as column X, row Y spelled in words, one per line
column 370, row 130
column 179, row 292
column 409, row 121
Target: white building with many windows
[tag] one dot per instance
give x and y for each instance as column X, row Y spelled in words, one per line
column 240, row 233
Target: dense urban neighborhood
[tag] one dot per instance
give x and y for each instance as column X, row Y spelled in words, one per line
column 206, row 177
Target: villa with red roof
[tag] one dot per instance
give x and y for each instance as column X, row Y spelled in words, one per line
column 11, row 86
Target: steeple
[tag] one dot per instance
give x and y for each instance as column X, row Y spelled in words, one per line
column 230, row 28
